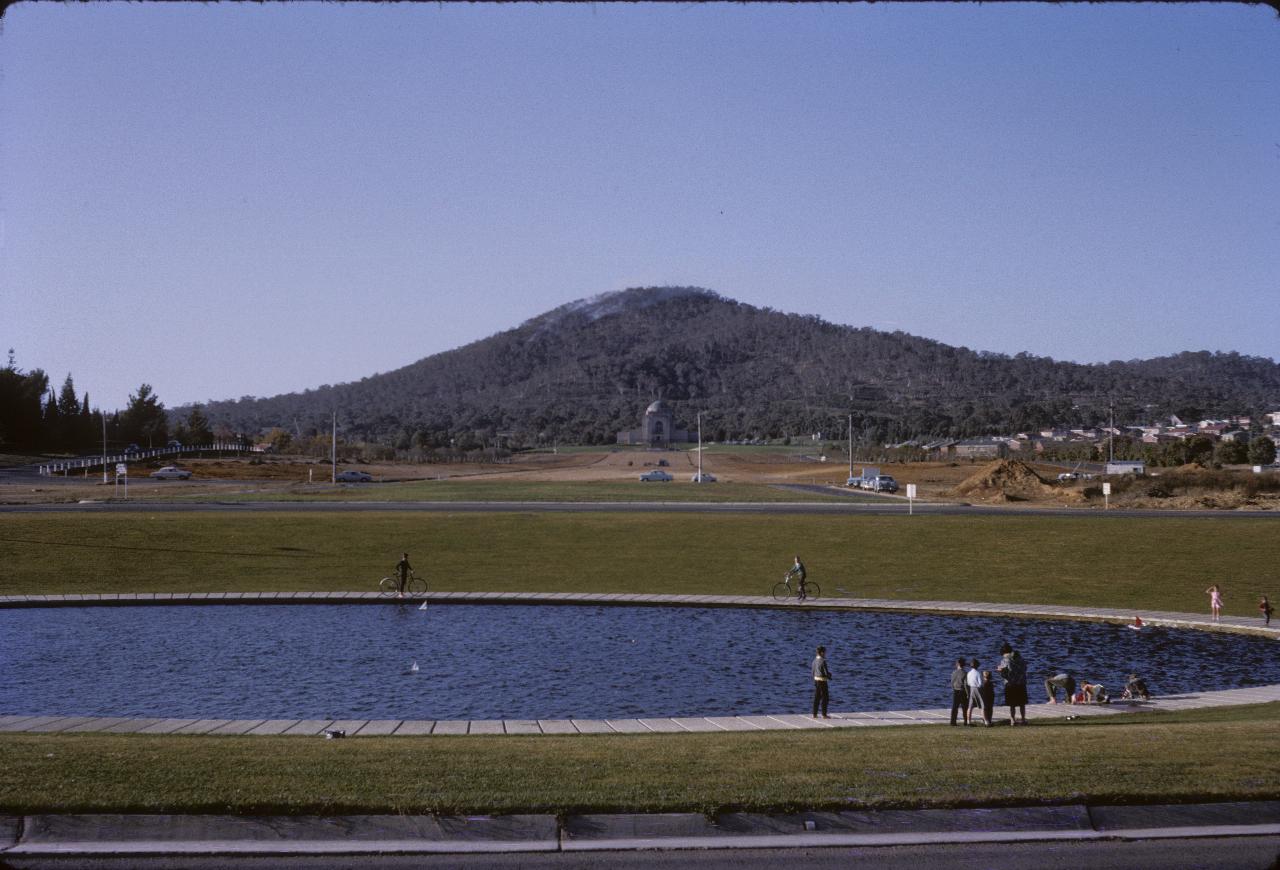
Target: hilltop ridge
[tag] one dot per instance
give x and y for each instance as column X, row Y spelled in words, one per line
column 586, row 369
column 614, row 302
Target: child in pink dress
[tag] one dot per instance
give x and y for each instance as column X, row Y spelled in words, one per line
column 1215, row 600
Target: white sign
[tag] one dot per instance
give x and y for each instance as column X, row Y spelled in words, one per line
column 121, row 468
column 1106, row 489
column 911, row 490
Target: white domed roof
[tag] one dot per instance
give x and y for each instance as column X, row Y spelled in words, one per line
column 658, row 407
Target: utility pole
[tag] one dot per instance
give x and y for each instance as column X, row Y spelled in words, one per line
column 851, row 445
column 333, row 450
column 700, row 447
column 104, row 448
column 1111, row 434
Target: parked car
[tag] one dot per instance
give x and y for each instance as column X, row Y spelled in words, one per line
column 132, row 448
column 704, row 477
column 866, row 480
column 350, row 476
column 884, row 483
column 656, row 475
column 1067, row 476
column 171, row 472
column 175, row 444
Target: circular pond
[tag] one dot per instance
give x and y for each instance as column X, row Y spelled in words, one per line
column 555, row 662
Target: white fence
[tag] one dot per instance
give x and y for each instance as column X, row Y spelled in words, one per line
column 68, row 465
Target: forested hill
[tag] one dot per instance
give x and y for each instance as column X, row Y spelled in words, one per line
column 585, row 370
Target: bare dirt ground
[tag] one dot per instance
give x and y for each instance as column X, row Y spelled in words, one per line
column 1011, row 482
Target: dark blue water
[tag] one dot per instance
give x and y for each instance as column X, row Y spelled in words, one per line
column 517, row 662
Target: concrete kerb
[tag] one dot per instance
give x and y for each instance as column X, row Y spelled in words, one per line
column 1036, row 611
column 116, row 835
column 666, row 725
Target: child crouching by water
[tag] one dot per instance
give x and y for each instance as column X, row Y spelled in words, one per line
column 987, row 692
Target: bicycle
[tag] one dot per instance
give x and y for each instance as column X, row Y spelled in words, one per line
column 783, row 590
column 415, row 585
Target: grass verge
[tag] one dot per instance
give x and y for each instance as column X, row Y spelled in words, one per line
column 1144, row 564
column 1221, row 754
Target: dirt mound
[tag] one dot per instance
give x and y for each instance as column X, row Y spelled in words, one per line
column 1007, row 480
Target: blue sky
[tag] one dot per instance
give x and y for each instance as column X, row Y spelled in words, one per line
column 234, row 199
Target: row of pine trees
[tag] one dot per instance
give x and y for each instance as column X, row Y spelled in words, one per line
column 34, row 418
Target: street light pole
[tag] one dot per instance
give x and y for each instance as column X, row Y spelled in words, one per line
column 1111, row 436
column 699, row 447
column 851, row 445
column 104, row 448
column 333, row 450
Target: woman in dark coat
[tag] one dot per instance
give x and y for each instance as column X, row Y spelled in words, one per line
column 1013, row 669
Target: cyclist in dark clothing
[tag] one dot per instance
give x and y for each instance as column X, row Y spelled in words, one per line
column 403, row 570
column 797, row 571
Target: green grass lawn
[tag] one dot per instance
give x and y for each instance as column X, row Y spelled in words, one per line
column 1205, row 755
column 1121, row 562
column 1162, row 564
column 471, row 489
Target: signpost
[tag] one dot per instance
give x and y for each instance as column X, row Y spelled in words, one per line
column 122, row 470
column 1106, row 496
column 911, row 498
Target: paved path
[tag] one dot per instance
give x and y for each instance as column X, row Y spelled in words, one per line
column 838, row 601
column 655, row 725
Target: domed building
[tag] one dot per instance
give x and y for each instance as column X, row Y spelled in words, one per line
column 657, row 428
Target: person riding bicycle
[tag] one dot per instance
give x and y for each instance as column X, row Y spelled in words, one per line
column 403, row 570
column 797, row 571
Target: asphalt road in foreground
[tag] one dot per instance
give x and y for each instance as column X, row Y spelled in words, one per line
column 1236, row 853
column 889, row 508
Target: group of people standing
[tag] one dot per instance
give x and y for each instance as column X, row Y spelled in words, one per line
column 974, row 689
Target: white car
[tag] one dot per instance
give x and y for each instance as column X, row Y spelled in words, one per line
column 354, row 477
column 657, row 474
column 704, row 477
column 171, row 472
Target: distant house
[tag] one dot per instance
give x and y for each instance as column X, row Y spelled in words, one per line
column 940, row 449
column 1123, row 466
column 980, row 448
column 657, row 428
column 1236, row 435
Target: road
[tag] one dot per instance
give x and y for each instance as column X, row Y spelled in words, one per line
column 846, row 509
column 1237, row 853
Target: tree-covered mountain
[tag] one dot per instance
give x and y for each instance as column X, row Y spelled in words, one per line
column 586, row 370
